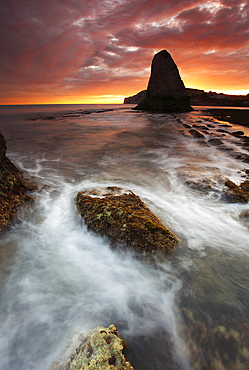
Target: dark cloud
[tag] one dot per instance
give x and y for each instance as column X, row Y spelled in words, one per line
column 79, row 46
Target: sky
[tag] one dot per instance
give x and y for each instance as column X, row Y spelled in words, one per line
column 92, row 51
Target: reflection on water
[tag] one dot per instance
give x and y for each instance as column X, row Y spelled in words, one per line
column 189, row 311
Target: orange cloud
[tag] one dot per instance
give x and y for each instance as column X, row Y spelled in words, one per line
column 73, row 51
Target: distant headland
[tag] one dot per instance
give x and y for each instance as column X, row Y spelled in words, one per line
column 200, row 97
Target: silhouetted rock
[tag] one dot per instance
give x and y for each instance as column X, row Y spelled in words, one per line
column 135, row 99
column 237, row 133
column 166, row 91
column 13, row 187
column 121, row 216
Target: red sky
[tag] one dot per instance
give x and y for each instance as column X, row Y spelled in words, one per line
column 99, row 51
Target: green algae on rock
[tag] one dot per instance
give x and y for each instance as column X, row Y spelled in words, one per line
column 13, row 187
column 100, row 349
column 121, row 216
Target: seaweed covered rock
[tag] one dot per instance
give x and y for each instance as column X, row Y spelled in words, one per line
column 99, row 349
column 121, row 216
column 234, row 193
column 13, row 187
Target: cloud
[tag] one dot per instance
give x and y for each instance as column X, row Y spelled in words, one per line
column 80, row 46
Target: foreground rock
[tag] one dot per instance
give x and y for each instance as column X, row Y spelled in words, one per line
column 121, row 216
column 99, row 349
column 166, row 91
column 13, row 187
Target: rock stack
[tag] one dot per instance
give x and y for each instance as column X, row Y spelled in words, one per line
column 166, row 91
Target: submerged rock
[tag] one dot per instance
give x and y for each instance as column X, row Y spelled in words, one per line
column 215, row 346
column 166, row 91
column 100, row 349
column 121, row 216
column 215, row 142
column 196, row 134
column 13, row 187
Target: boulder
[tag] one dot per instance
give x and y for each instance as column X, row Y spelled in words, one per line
column 99, row 349
column 124, row 219
column 13, row 187
column 166, row 91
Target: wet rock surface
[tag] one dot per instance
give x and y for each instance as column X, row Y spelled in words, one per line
column 236, row 194
column 99, row 349
column 196, row 134
column 14, row 188
column 124, row 219
column 166, row 91
column 237, row 116
column 215, row 142
column 223, row 136
column 221, row 188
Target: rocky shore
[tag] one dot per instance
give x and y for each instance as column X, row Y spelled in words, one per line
column 14, row 189
column 236, row 116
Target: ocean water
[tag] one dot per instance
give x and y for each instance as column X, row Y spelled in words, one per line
column 187, row 311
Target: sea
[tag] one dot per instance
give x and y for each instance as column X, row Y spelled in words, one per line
column 186, row 311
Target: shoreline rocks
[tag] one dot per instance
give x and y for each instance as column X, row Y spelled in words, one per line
column 13, row 188
column 166, row 91
column 125, row 220
column 99, row 349
column 236, row 194
column 234, row 116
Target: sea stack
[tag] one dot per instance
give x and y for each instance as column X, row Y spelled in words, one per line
column 166, row 91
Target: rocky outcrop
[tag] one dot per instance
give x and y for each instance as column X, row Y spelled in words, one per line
column 234, row 193
column 99, row 349
column 13, row 187
column 135, row 99
column 124, row 219
column 166, row 91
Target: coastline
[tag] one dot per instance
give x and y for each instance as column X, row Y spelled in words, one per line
column 238, row 116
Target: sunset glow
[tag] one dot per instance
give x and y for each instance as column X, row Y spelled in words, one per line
column 74, row 51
